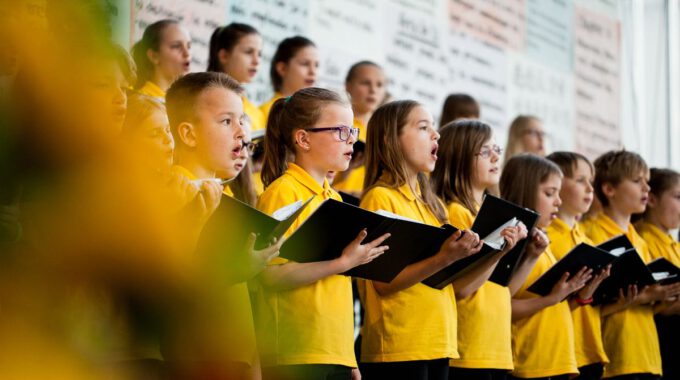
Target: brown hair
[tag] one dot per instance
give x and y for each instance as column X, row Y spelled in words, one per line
column 302, row 110
column 355, row 67
column 286, row 50
column 140, row 107
column 180, row 100
column 518, row 128
column 455, row 170
column 151, row 39
column 660, row 181
column 459, row 106
column 613, row 167
column 384, row 154
column 226, row 38
column 522, row 176
column 567, row 162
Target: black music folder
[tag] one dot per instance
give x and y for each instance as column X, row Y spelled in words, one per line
column 583, row 255
column 664, row 271
column 494, row 215
column 627, row 269
column 325, row 234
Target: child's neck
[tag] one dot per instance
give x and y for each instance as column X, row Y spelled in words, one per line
column 568, row 218
column 319, row 174
column 621, row 219
column 192, row 164
column 286, row 91
column 162, row 82
column 478, row 194
column 363, row 117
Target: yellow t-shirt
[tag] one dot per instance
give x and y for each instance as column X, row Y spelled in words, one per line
column 418, row 323
column 660, row 244
column 257, row 120
column 151, row 89
column 483, row 318
column 236, row 301
column 589, row 347
column 543, row 344
column 267, row 106
column 629, row 336
column 312, row 324
column 354, row 181
column 257, row 183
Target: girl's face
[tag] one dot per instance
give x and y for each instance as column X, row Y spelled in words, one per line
column 153, row 136
column 300, row 71
column 630, row 196
column 666, row 208
column 325, row 148
column 533, row 137
column 577, row 190
column 173, row 58
column 548, row 200
column 487, row 172
column 418, row 140
column 367, row 88
column 243, row 61
column 106, row 97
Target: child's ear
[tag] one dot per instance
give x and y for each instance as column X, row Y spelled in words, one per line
column 609, row 190
column 153, row 56
column 223, row 57
column 301, row 138
column 652, row 201
column 187, row 134
column 281, row 68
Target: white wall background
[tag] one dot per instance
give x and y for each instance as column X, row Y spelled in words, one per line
column 602, row 74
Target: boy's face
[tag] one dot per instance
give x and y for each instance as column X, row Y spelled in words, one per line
column 218, row 131
column 630, row 195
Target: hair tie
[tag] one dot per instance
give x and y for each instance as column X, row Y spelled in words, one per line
column 287, row 99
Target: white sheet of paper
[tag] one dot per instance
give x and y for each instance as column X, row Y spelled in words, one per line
column 618, row 251
column 395, row 216
column 284, row 212
column 494, row 239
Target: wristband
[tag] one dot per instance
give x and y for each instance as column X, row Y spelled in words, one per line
column 581, row 301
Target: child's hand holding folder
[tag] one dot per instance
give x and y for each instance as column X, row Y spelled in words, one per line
column 459, row 246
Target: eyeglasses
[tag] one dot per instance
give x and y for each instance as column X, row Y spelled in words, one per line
column 485, row 152
column 249, row 146
column 344, row 132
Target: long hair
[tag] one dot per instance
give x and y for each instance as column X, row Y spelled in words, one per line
column 454, row 173
column 384, row 154
column 302, row 110
column 522, row 176
column 518, row 128
column 225, row 38
column 284, row 53
column 151, row 39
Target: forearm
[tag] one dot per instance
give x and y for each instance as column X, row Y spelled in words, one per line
column 469, row 283
column 294, row 275
column 517, row 279
column 411, row 275
column 524, row 308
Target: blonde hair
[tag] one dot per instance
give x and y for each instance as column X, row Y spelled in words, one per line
column 613, row 167
column 518, row 128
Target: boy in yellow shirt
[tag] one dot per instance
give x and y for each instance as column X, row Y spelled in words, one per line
column 205, row 112
column 628, row 330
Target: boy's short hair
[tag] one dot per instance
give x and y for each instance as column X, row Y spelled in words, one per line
column 567, row 162
column 180, row 100
column 615, row 166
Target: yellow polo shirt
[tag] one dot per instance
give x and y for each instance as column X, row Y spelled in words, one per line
column 236, row 309
column 661, row 244
column 267, row 106
column 151, row 89
column 589, row 347
column 630, row 338
column 257, row 120
column 543, row 343
column 418, row 323
column 483, row 318
column 312, row 324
